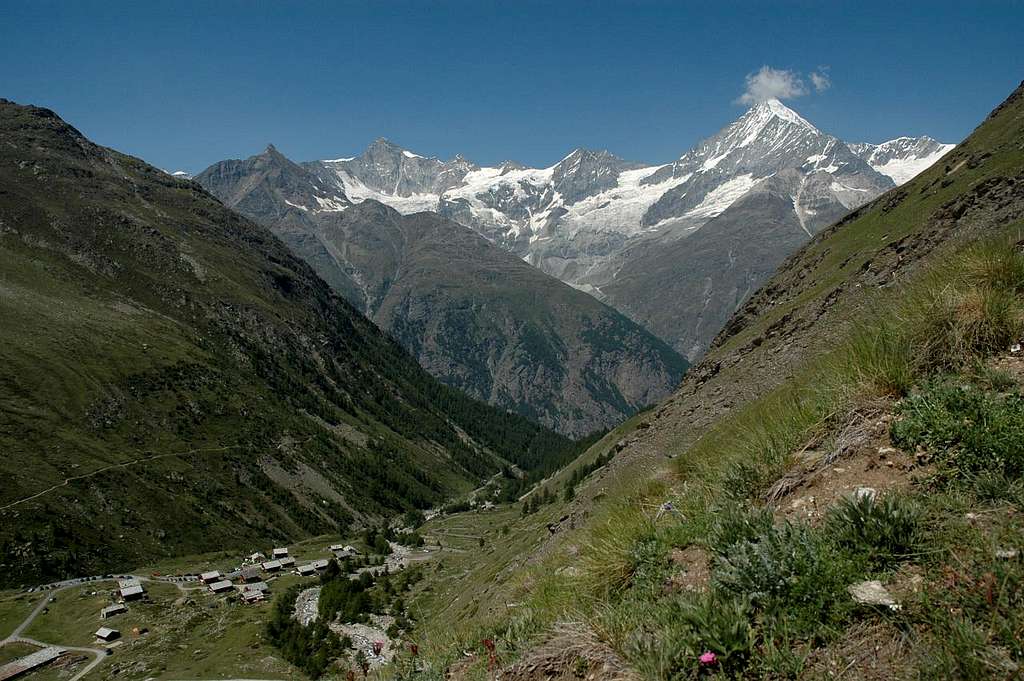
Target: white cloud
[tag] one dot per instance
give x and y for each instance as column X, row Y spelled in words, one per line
column 820, row 79
column 769, row 83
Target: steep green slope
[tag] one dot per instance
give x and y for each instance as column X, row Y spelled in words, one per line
column 173, row 379
column 475, row 316
column 918, row 293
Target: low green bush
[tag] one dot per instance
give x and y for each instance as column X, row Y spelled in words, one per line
column 735, row 523
column 968, row 430
column 881, row 530
column 720, row 625
column 789, row 573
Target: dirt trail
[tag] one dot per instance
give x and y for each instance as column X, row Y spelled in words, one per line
column 123, row 464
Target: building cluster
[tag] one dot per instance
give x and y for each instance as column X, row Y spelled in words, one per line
column 250, row 581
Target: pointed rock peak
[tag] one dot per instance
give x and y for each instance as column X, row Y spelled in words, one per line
column 509, row 166
column 773, row 108
column 582, row 153
column 572, row 155
column 382, row 146
column 589, row 160
column 271, row 153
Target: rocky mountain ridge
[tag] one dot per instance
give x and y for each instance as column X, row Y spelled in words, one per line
column 658, row 243
column 474, row 315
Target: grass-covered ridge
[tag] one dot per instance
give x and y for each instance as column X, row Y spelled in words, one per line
column 775, row 603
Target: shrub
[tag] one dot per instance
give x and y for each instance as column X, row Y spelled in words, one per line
column 956, row 326
column 721, row 626
column 995, row 265
column 996, row 380
column 969, row 430
column 736, row 523
column 765, row 568
column 881, row 530
column 742, row 480
column 792, row 575
column 992, row 486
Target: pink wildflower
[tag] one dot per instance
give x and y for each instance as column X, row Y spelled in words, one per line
column 708, row 658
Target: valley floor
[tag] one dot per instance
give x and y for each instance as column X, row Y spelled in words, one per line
column 180, row 631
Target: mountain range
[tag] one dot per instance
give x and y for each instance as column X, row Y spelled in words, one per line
column 677, row 247
column 473, row 314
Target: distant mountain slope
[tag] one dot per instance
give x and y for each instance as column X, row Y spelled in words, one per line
column 686, row 289
column 175, row 380
column 475, row 316
column 902, row 158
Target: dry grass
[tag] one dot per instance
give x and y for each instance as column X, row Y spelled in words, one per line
column 572, row 650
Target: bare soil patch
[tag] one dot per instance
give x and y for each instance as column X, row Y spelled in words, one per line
column 860, row 457
column 869, row 652
column 693, row 570
column 572, row 651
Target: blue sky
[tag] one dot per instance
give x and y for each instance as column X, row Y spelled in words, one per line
column 183, row 84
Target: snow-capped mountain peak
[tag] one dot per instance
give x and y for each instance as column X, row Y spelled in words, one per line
column 903, row 157
column 773, row 108
column 767, row 139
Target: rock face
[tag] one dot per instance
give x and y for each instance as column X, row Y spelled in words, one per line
column 177, row 381
column 688, row 288
column 474, row 315
column 596, row 221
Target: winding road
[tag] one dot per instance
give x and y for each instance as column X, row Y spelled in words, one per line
column 16, row 637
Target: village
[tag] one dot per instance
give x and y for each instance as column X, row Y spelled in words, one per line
column 59, row 639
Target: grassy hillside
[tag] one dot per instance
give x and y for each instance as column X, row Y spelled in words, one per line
column 173, row 379
column 877, row 357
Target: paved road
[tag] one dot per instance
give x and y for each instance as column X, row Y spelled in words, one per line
column 16, row 637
